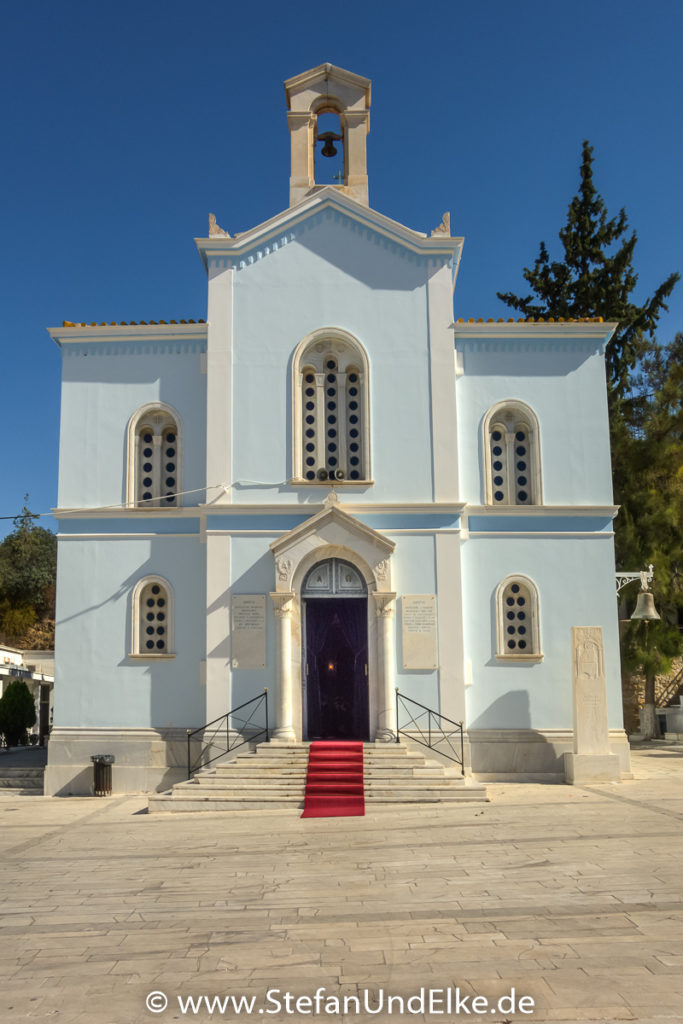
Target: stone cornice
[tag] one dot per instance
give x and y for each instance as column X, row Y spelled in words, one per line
column 554, row 332
column 297, row 82
column 358, row 508
column 120, row 512
column 280, row 230
column 536, row 511
column 119, row 333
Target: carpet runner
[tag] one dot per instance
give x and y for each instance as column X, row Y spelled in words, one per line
column 334, row 783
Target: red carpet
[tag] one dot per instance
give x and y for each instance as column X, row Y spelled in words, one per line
column 334, row 784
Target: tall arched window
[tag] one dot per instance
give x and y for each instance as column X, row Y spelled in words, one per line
column 512, row 455
column 517, row 620
column 331, row 409
column 152, row 618
column 154, row 457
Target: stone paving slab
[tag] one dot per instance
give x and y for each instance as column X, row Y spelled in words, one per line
column 571, row 895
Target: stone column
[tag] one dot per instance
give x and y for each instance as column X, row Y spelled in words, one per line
column 301, row 127
column 284, row 728
column 386, row 719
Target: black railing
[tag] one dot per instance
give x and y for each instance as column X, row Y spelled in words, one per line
column 670, row 690
column 428, row 730
column 224, row 731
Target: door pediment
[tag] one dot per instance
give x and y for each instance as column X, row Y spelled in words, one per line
column 332, row 533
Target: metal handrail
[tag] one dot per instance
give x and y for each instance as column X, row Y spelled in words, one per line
column 433, row 725
column 670, row 689
column 229, row 716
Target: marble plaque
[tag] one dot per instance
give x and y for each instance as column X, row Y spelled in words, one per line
column 418, row 619
column 591, row 729
column 249, row 631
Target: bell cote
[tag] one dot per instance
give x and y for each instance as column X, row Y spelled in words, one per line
column 329, row 119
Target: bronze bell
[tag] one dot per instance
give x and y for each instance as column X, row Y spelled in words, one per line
column 645, row 607
column 328, row 138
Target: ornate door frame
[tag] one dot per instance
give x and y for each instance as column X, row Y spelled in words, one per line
column 333, row 533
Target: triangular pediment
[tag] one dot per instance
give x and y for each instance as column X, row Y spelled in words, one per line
column 336, row 527
column 279, row 230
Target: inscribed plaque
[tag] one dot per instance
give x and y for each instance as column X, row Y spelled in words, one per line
column 418, row 619
column 249, row 631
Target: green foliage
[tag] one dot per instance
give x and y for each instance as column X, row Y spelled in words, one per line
column 17, row 711
column 647, row 456
column 645, row 381
column 28, row 569
column 15, row 621
column 595, row 278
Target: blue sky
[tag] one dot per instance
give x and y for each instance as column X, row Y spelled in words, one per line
column 126, row 123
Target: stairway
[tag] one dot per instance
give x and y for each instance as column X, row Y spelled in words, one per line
column 274, row 776
column 17, row 779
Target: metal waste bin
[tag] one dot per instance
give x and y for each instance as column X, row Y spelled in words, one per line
column 102, row 781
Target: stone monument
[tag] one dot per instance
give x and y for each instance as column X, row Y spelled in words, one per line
column 591, row 759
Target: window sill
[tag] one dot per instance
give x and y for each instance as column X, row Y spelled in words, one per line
column 152, row 657
column 300, row 482
column 519, row 657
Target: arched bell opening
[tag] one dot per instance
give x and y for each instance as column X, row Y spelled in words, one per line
column 329, row 163
column 335, row 692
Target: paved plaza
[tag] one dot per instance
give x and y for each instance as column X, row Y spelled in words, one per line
column 571, row 896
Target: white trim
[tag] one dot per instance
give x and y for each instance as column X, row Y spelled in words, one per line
column 261, row 234
column 136, row 639
column 311, row 508
column 533, row 623
column 544, row 510
column 122, row 512
column 588, row 330
column 125, row 536
column 125, row 332
column 298, row 481
column 506, row 410
column 132, row 445
column 328, row 336
column 152, row 657
column 519, row 657
column 539, row 533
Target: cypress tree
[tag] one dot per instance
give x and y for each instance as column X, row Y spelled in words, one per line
column 595, row 278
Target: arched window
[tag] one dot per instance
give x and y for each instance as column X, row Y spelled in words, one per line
column 152, row 618
column 331, row 409
column 512, row 455
column 518, row 631
column 154, row 458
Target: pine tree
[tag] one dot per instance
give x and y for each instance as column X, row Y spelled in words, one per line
column 595, row 278
column 647, row 456
column 645, row 382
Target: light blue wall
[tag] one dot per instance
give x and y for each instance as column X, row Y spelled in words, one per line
column 564, row 383
column 101, row 390
column 333, row 274
column 96, row 683
column 252, row 571
column 575, row 581
column 413, row 572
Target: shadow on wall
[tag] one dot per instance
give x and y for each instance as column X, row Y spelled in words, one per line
column 503, row 745
column 511, row 711
column 354, row 250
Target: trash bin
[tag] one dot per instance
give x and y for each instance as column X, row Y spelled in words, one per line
column 102, row 781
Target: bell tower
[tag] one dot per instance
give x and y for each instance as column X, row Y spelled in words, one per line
column 328, row 90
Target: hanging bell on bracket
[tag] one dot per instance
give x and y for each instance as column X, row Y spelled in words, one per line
column 645, row 607
column 328, row 139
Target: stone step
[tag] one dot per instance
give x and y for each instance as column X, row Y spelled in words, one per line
column 274, row 776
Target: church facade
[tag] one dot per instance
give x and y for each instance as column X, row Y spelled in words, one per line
column 330, row 489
